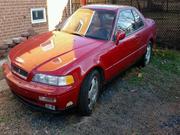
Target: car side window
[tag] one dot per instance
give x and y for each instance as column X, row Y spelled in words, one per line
column 126, row 22
column 139, row 22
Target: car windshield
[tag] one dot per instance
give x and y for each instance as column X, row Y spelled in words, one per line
column 97, row 24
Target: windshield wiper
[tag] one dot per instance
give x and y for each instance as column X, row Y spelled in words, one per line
column 73, row 33
column 89, row 36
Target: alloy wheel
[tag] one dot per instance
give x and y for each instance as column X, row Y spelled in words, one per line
column 93, row 92
column 148, row 54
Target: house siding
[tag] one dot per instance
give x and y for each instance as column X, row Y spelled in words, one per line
column 15, row 18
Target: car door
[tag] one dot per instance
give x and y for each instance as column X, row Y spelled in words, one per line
column 121, row 56
column 141, row 32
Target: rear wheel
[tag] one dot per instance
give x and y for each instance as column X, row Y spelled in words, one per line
column 89, row 93
column 147, row 56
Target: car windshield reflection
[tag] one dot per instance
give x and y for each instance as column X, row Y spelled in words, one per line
column 97, row 24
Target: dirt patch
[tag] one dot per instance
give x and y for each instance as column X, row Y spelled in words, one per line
column 141, row 101
column 1, row 74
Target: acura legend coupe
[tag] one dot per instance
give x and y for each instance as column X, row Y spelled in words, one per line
column 67, row 67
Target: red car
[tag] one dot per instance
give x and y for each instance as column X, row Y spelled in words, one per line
column 67, row 67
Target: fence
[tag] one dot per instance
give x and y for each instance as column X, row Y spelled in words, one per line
column 166, row 13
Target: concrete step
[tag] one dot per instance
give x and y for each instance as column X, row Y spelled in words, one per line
column 2, row 53
column 3, row 47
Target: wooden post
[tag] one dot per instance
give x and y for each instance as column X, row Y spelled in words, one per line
column 131, row 2
column 83, row 2
column 167, row 5
column 114, row 1
column 149, row 4
column 139, row 7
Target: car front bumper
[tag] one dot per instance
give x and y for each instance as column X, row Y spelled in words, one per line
column 30, row 92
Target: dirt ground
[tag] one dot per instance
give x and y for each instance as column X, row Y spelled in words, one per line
column 142, row 101
column 1, row 74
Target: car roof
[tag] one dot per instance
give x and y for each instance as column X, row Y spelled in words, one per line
column 105, row 7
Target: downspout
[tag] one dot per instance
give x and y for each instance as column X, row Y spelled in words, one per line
column 70, row 4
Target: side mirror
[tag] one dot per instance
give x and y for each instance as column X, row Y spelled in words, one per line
column 119, row 36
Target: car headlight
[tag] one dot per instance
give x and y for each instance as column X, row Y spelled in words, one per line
column 54, row 80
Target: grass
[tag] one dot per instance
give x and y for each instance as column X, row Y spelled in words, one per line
column 4, row 119
column 167, row 61
column 161, row 76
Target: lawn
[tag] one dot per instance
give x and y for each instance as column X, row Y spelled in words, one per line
column 164, row 70
column 139, row 101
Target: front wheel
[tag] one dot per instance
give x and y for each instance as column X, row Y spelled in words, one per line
column 89, row 93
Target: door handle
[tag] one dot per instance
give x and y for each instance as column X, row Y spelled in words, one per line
column 137, row 36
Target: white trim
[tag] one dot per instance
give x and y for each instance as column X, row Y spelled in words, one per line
column 70, row 7
column 39, row 20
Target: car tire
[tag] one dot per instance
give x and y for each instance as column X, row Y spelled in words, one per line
column 147, row 56
column 89, row 93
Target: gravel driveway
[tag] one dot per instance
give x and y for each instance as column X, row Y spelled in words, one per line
column 138, row 102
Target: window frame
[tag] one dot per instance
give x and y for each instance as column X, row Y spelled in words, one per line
column 38, row 20
column 118, row 15
column 119, row 18
column 139, row 16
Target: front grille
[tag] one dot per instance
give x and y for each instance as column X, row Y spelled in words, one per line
column 22, row 73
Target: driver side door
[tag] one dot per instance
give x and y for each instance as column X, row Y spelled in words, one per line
column 122, row 55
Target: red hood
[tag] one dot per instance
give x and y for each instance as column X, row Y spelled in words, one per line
column 48, row 46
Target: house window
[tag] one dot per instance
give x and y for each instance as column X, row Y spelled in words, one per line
column 38, row 15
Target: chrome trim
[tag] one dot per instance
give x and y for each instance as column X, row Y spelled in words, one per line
column 19, row 74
